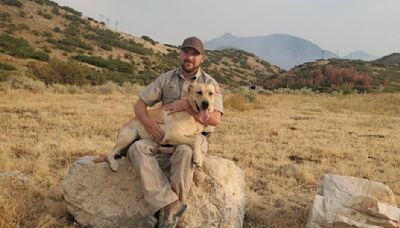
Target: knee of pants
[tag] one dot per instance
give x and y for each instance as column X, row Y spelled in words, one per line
column 184, row 150
column 140, row 146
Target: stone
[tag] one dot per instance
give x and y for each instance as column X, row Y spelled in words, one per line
column 98, row 197
column 353, row 202
column 340, row 187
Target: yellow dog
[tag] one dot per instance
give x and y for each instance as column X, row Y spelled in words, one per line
column 179, row 127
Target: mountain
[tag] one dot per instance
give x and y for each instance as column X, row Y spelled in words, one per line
column 282, row 50
column 57, row 44
column 359, row 55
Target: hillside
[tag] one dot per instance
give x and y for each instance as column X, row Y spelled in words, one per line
column 57, row 44
column 283, row 50
column 390, row 60
column 338, row 74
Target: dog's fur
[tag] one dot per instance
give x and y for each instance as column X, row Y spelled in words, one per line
column 179, row 127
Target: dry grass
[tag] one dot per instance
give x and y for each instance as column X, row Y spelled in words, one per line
column 41, row 134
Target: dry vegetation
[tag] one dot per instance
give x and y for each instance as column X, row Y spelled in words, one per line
column 42, row 133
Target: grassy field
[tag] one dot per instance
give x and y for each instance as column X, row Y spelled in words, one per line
column 41, row 134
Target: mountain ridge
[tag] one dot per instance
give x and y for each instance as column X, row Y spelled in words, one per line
column 283, row 50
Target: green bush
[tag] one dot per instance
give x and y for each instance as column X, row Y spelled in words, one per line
column 69, row 9
column 5, row 16
column 15, row 3
column 111, row 64
column 8, row 67
column 56, row 29
column 21, row 48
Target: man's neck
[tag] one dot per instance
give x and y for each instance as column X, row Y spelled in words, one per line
column 190, row 75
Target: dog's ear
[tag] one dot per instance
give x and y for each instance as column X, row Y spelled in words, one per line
column 190, row 88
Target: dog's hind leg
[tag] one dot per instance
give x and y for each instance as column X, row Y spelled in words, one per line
column 125, row 138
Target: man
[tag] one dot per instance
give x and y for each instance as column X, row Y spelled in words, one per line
column 162, row 194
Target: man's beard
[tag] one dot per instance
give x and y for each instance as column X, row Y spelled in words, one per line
column 191, row 70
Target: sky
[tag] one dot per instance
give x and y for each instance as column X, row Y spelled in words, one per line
column 341, row 26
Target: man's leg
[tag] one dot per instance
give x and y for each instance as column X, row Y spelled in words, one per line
column 181, row 179
column 155, row 185
column 182, row 167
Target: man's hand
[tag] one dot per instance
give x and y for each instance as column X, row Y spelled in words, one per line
column 153, row 128
column 177, row 106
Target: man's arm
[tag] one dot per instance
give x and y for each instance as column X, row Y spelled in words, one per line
column 149, row 123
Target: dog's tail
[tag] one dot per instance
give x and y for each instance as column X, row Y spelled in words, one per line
column 100, row 159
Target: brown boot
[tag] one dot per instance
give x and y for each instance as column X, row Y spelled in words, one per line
column 171, row 214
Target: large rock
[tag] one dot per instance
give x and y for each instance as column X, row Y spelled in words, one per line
column 353, row 202
column 98, row 197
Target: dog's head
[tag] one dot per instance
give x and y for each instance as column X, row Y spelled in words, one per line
column 201, row 97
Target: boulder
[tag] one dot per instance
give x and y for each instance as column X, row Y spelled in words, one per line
column 353, row 202
column 98, row 197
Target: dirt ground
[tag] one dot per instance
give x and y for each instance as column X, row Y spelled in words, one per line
column 41, row 134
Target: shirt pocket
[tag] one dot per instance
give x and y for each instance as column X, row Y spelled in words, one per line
column 170, row 94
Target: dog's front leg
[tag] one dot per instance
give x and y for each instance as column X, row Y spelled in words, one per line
column 178, row 139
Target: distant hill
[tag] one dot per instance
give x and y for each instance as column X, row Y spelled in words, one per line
column 285, row 51
column 359, row 55
column 57, row 44
column 392, row 59
column 339, row 74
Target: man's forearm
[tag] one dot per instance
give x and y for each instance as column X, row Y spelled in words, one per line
column 141, row 110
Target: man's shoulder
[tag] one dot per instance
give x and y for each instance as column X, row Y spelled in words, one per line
column 168, row 74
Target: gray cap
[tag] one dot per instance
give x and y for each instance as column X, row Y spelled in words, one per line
column 195, row 43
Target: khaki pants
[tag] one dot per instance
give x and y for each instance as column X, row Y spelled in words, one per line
column 158, row 190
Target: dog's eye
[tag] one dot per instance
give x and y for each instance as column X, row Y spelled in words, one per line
column 200, row 93
column 210, row 93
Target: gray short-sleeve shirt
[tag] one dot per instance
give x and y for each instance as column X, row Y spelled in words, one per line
column 172, row 85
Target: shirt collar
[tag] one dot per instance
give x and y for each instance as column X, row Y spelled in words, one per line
column 196, row 76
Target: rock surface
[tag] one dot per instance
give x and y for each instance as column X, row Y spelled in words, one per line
column 353, row 202
column 98, row 197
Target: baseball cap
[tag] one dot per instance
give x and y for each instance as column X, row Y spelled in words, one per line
column 193, row 42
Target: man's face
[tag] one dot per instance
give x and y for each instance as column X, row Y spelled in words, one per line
column 190, row 60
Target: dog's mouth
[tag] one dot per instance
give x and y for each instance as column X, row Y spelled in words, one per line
column 203, row 113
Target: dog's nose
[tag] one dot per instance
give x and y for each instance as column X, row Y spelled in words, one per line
column 204, row 105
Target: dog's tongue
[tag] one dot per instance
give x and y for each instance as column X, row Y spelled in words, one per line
column 203, row 116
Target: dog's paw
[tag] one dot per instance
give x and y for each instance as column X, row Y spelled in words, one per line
column 112, row 162
column 198, row 161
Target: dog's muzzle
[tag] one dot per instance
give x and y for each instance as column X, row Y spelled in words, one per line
column 204, row 105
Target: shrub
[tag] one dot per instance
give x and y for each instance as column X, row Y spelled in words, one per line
column 23, row 82
column 5, row 16
column 8, row 67
column 69, row 9
column 107, row 88
column 62, row 72
column 21, row 48
column 15, row 3
column 236, row 101
column 56, row 29
column 111, row 64
column 146, row 38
